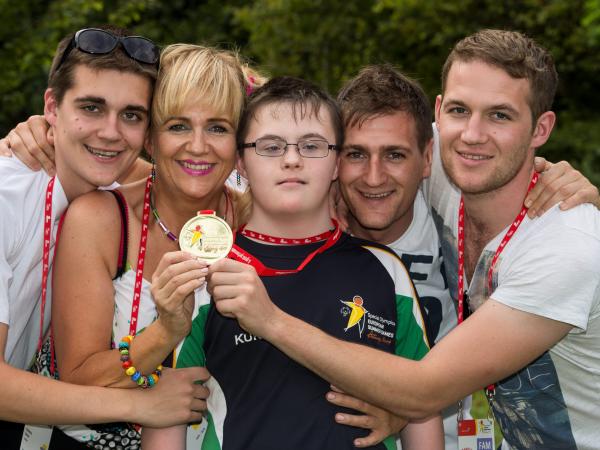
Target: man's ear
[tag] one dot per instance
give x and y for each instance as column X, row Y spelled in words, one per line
column 438, row 107
column 427, row 158
column 50, row 107
column 543, row 129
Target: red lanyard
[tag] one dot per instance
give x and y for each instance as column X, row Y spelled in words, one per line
column 284, row 241
column 137, row 290
column 46, row 254
column 461, row 248
column 141, row 257
column 461, row 255
column 238, row 254
column 140, row 265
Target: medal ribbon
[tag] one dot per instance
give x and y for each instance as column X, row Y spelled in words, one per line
column 461, row 254
column 239, row 254
column 137, row 290
column 284, row 241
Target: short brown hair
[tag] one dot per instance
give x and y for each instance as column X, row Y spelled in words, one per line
column 60, row 78
column 306, row 98
column 517, row 55
column 380, row 90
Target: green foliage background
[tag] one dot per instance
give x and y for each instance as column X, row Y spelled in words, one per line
column 325, row 41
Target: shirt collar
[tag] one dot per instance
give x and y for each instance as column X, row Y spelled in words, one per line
column 59, row 200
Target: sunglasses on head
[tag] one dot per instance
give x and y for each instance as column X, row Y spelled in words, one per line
column 101, row 42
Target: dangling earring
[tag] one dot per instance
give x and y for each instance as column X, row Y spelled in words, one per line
column 153, row 171
column 238, row 179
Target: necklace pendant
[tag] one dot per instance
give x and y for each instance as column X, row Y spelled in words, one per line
column 206, row 236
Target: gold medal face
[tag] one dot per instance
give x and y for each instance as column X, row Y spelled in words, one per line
column 206, row 236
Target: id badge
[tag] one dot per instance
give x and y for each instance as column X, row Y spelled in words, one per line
column 476, row 434
column 36, row 437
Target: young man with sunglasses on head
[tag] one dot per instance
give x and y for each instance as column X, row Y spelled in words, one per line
column 534, row 285
column 97, row 104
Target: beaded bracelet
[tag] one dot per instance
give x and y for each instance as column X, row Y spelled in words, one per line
column 137, row 377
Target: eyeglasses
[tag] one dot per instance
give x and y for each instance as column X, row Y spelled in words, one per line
column 308, row 148
column 101, row 42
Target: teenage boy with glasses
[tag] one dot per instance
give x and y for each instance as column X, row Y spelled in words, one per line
column 97, row 104
column 356, row 290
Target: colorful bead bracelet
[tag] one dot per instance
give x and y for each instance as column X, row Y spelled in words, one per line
column 137, row 377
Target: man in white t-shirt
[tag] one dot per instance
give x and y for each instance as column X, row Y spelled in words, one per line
column 535, row 330
column 97, row 104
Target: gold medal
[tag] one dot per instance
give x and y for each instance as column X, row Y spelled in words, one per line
column 206, row 236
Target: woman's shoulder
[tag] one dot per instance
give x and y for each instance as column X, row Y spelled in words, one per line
column 94, row 212
column 100, row 209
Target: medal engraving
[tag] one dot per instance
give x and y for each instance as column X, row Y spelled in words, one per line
column 206, row 236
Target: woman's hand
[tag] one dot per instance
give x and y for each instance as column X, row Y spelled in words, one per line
column 176, row 277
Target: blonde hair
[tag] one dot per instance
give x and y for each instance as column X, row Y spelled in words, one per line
column 254, row 79
column 193, row 73
column 243, row 200
column 242, row 207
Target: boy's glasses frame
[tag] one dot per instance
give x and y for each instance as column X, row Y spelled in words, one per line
column 274, row 147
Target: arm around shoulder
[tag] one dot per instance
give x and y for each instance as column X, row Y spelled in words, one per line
column 29, row 398
column 461, row 363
